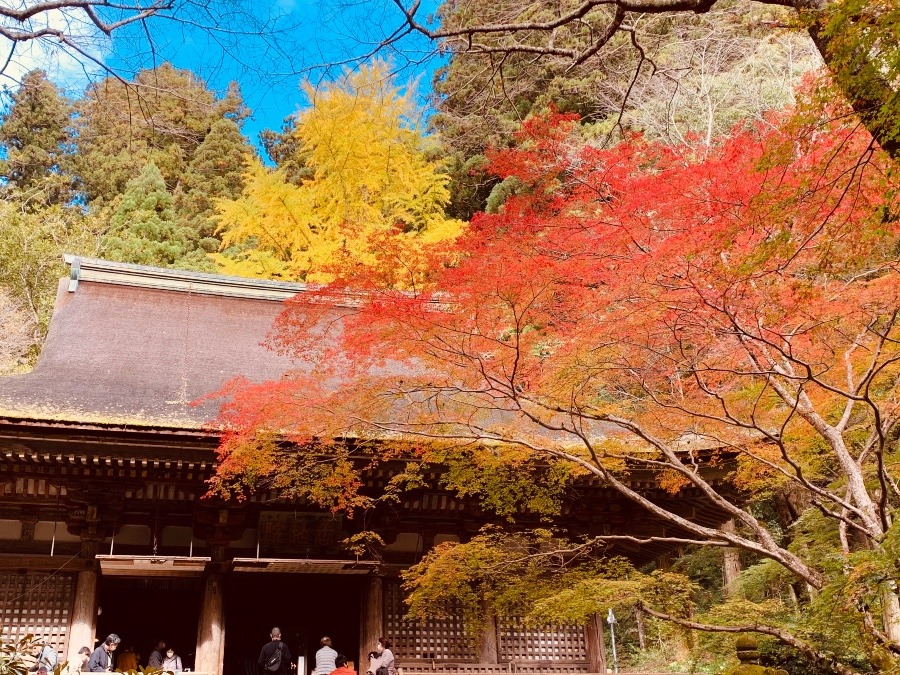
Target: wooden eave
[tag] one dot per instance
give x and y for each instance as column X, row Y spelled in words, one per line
column 32, row 563
column 97, row 431
column 304, row 566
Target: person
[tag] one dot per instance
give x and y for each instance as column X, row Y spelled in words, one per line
column 385, row 655
column 44, row 655
column 172, row 662
column 275, row 657
column 101, row 660
column 374, row 662
column 127, row 660
column 340, row 666
column 157, row 655
column 84, row 653
column 325, row 658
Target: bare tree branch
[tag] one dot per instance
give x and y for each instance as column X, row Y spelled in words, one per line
column 825, row 659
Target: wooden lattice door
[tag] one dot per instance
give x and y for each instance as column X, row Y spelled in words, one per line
column 518, row 642
column 436, row 639
column 39, row 604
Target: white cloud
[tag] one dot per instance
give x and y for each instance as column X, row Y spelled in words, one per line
column 69, row 66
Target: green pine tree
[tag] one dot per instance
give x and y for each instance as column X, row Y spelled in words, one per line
column 214, row 172
column 144, row 227
column 36, row 133
column 162, row 116
column 287, row 151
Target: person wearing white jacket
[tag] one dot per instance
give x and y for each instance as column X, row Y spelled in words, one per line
column 172, row 662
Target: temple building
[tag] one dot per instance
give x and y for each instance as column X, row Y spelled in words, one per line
column 105, row 450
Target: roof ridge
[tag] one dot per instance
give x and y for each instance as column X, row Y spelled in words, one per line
column 97, row 270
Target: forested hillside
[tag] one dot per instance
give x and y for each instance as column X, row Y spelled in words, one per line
column 155, row 170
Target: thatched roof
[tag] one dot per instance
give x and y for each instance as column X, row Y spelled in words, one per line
column 130, row 345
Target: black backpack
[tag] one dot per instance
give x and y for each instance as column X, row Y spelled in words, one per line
column 273, row 665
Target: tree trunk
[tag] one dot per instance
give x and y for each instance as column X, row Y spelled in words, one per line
column 891, row 613
column 488, row 646
column 857, row 74
column 641, row 631
column 731, row 564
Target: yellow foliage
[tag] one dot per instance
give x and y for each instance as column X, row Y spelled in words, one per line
column 254, row 263
column 374, row 197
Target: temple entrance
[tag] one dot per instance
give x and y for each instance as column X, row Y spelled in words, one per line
column 143, row 610
column 305, row 607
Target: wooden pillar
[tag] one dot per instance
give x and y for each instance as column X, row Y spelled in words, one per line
column 596, row 647
column 372, row 625
column 488, row 645
column 83, row 626
column 731, row 565
column 211, row 632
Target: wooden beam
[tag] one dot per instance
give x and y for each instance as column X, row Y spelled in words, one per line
column 37, row 563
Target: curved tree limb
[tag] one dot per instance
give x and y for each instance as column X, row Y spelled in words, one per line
column 825, row 659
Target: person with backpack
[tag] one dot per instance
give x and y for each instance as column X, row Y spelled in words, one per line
column 275, row 657
column 45, row 655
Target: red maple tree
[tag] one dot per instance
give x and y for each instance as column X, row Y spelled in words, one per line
column 627, row 307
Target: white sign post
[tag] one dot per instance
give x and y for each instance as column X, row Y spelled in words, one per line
column 611, row 620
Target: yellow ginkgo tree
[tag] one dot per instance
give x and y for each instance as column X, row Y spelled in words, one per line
column 372, row 197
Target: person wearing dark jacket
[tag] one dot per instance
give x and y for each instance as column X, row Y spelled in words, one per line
column 269, row 652
column 157, row 655
column 101, row 660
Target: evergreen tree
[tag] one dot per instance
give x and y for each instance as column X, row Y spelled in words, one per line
column 35, row 131
column 144, row 227
column 286, row 150
column 162, row 117
column 214, row 172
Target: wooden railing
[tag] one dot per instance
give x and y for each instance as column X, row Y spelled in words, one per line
column 429, row 667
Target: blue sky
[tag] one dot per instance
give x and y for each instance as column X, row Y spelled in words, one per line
column 267, row 46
